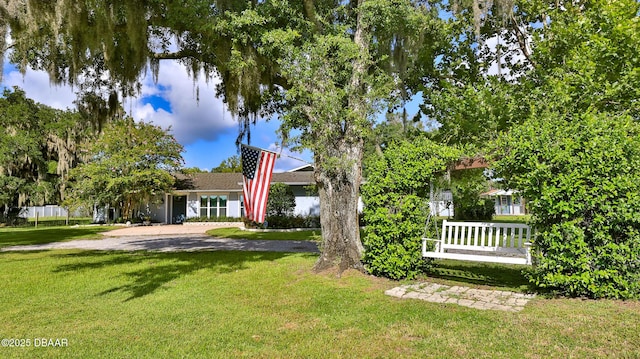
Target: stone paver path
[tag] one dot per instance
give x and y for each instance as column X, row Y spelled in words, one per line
column 464, row 296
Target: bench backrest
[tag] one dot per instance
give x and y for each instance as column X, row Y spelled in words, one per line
column 507, row 237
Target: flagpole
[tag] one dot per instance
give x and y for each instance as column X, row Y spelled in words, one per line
column 257, row 148
column 279, row 154
column 297, row 159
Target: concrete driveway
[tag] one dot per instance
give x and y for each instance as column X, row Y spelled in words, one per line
column 167, row 238
column 168, row 229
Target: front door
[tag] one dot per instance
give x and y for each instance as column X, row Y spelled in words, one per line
column 179, row 209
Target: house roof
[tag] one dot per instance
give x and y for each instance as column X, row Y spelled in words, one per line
column 470, row 163
column 233, row 181
column 499, row 192
column 305, row 168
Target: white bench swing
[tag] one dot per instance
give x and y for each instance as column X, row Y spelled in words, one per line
column 508, row 243
column 482, row 242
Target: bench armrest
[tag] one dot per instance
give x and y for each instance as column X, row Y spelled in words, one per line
column 424, row 244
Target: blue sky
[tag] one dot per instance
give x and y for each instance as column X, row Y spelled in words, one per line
column 204, row 127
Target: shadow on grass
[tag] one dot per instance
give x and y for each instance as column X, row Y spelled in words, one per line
column 483, row 274
column 148, row 272
column 31, row 236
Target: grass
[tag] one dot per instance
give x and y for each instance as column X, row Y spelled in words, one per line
column 29, row 235
column 496, row 276
column 250, row 304
column 509, row 219
column 236, row 233
column 260, row 304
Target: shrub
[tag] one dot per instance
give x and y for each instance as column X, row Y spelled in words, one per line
column 285, row 222
column 467, row 186
column 396, row 205
column 282, row 201
column 213, row 219
column 13, row 216
column 581, row 177
column 482, row 209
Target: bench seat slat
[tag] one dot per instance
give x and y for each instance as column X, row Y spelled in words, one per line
column 477, row 258
column 486, row 249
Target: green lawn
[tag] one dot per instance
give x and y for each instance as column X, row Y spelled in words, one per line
column 497, row 276
column 29, row 235
column 506, row 218
column 257, row 304
column 235, row 304
column 237, row 233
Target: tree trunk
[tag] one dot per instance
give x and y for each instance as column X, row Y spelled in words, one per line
column 339, row 170
column 339, row 189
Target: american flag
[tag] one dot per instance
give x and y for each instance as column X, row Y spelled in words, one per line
column 257, row 168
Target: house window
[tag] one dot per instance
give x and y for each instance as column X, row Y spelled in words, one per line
column 241, row 206
column 213, row 206
column 505, row 204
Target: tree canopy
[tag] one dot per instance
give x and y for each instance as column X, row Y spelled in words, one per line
column 326, row 67
column 230, row 165
column 37, row 149
column 129, row 166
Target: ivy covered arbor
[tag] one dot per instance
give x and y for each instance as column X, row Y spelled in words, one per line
column 396, row 204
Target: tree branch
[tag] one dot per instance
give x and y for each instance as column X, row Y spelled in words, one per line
column 310, row 13
column 175, row 55
column 522, row 41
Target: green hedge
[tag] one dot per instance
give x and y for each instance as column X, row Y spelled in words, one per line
column 396, row 205
column 213, row 219
column 287, row 222
column 55, row 222
column 581, row 177
column 482, row 210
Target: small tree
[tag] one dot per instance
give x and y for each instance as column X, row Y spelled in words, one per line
column 193, row 170
column 230, row 165
column 282, row 201
column 396, row 205
column 128, row 166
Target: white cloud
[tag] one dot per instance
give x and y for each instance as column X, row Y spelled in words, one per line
column 512, row 48
column 190, row 119
column 37, row 86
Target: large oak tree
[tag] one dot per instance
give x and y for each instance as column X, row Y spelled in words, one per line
column 325, row 67
column 38, row 147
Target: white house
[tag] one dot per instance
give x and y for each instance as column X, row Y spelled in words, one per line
column 220, row 195
column 507, row 202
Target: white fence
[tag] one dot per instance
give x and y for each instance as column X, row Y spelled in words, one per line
column 47, row 211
